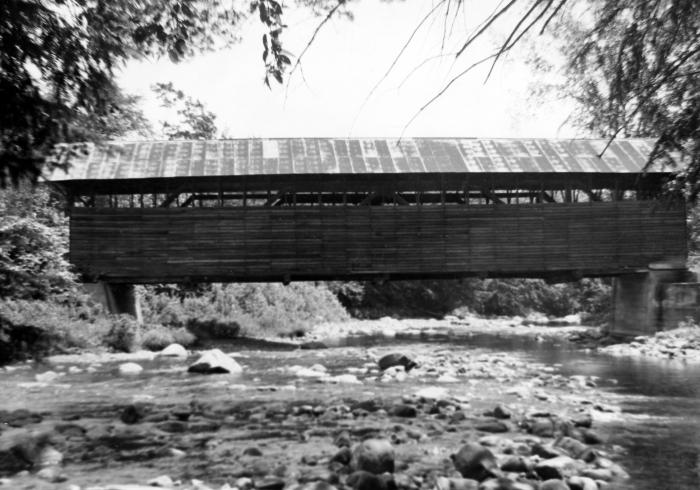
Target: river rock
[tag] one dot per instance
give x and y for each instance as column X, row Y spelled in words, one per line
column 48, row 456
column 129, row 369
column 19, row 418
column 132, row 414
column 163, row 481
column 553, row 484
column 47, row 377
column 501, row 412
column 494, row 426
column 404, row 410
column 215, row 362
column 582, row 483
column 270, row 483
column 173, row 350
column 546, row 451
column 516, row 464
column 21, row 450
column 583, row 420
column 396, row 359
column 52, row 474
column 365, row 480
column 542, row 427
column 558, row 468
column 374, row 456
column 475, row 461
column 463, row 484
column 343, row 456
column 573, row 448
column 503, row 484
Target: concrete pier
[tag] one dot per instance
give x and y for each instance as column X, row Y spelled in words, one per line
column 116, row 298
column 639, row 299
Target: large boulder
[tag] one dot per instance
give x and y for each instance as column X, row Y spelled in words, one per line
column 475, row 461
column 396, row 359
column 173, row 350
column 215, row 362
column 374, row 456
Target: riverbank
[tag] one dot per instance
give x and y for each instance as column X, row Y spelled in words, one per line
column 680, row 344
column 296, row 419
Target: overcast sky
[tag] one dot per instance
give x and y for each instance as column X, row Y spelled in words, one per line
column 340, row 69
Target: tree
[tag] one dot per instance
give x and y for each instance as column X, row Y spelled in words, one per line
column 58, row 60
column 196, row 122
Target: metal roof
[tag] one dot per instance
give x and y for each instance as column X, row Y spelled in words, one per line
column 163, row 159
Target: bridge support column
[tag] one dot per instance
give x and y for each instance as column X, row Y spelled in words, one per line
column 116, row 298
column 638, row 299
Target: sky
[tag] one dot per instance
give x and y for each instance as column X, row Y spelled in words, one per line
column 335, row 94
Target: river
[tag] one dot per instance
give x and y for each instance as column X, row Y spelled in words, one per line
column 657, row 433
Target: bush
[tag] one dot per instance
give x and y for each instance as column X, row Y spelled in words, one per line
column 230, row 310
column 124, row 335
column 214, row 327
column 158, row 337
column 33, row 244
column 592, row 297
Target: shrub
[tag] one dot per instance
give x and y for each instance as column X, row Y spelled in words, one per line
column 158, row 337
column 214, row 327
column 33, row 243
column 124, row 335
column 230, row 310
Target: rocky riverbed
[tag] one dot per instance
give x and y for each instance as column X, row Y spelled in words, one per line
column 317, row 419
column 680, row 344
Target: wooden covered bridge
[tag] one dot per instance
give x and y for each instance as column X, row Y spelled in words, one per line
column 323, row 208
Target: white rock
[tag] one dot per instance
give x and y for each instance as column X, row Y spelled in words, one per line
column 177, row 453
column 343, row 379
column 305, row 372
column 319, row 367
column 447, row 378
column 130, row 368
column 161, row 481
column 46, row 377
column 432, row 393
column 173, row 350
column 74, row 370
column 214, row 361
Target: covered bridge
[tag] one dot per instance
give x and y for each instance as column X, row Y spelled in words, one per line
column 338, row 208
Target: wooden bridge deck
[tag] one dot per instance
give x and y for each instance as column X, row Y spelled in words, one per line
column 148, row 245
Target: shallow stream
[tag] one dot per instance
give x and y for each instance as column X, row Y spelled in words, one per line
column 658, row 428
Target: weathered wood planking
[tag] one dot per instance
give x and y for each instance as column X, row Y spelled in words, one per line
column 249, row 244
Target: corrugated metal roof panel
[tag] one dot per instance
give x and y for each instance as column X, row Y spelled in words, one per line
column 162, row 159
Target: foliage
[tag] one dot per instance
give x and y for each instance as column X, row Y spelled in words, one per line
column 54, row 326
column 58, row 63
column 196, row 122
column 248, row 309
column 157, row 337
column 33, row 244
column 124, row 335
column 591, row 297
column 634, row 69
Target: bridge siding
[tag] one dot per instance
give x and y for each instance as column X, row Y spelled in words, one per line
column 247, row 244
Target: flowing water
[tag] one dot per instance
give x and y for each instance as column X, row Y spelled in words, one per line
column 659, row 428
